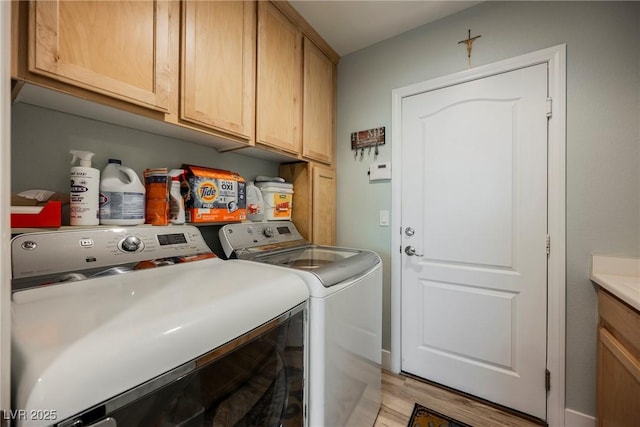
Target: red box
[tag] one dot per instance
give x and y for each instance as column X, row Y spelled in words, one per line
column 49, row 216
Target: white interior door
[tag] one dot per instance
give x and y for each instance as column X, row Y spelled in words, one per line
column 474, row 295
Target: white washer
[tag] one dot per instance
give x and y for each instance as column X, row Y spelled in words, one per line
column 345, row 317
column 152, row 346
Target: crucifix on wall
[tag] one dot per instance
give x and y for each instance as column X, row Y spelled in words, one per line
column 469, row 42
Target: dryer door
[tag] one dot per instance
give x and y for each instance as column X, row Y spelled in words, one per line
column 256, row 379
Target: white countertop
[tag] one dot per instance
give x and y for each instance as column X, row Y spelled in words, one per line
column 618, row 275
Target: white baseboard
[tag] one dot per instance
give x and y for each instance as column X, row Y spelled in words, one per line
column 577, row 419
column 386, row 360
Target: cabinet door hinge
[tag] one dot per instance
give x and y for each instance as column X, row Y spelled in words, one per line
column 549, row 107
column 548, row 244
column 547, row 380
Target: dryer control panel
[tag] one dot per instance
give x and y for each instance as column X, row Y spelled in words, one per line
column 72, row 250
column 245, row 238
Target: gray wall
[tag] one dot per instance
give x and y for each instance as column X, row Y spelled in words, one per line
column 603, row 137
column 41, row 140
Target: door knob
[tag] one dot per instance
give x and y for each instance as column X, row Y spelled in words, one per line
column 409, row 231
column 411, row 251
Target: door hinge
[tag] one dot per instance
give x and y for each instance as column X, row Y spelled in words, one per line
column 547, row 380
column 549, row 107
column 304, row 413
column 548, row 244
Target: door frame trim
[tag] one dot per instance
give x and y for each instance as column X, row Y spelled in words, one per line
column 555, row 58
column 5, row 225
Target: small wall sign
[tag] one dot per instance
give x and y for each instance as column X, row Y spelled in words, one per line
column 367, row 138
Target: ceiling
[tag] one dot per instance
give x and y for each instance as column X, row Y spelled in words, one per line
column 352, row 25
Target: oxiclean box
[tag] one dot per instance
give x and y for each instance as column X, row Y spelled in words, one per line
column 213, row 195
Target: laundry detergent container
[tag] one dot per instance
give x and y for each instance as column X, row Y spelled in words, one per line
column 278, row 200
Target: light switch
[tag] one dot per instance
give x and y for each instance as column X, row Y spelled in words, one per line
column 384, row 218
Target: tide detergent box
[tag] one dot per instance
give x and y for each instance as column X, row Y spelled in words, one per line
column 213, row 195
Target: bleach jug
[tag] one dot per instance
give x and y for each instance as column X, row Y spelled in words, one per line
column 122, row 195
column 255, row 203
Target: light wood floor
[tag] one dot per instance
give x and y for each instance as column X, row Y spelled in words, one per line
column 400, row 393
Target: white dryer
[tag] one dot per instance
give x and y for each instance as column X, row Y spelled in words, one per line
column 345, row 316
column 101, row 339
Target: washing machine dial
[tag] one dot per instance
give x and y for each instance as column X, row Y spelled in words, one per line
column 268, row 232
column 131, row 244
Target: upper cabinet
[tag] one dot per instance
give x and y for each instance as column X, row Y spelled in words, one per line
column 318, row 136
column 296, row 88
column 120, row 49
column 218, row 66
column 279, row 80
column 250, row 75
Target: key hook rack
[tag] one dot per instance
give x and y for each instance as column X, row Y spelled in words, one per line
column 370, row 138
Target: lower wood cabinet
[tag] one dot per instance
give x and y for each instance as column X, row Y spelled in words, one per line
column 314, row 200
column 618, row 378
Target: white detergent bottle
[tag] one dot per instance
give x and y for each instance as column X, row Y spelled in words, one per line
column 85, row 182
column 255, row 203
column 176, row 202
column 122, row 200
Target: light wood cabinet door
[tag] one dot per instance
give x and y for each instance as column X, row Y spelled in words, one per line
column 279, row 80
column 618, row 383
column 324, row 206
column 314, row 200
column 218, row 65
column 318, row 124
column 120, row 49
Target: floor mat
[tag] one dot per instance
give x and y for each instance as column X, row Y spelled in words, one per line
column 425, row 417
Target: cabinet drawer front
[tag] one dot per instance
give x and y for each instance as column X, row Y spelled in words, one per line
column 621, row 320
column 120, row 49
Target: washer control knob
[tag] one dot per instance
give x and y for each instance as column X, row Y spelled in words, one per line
column 131, row 244
column 268, row 232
